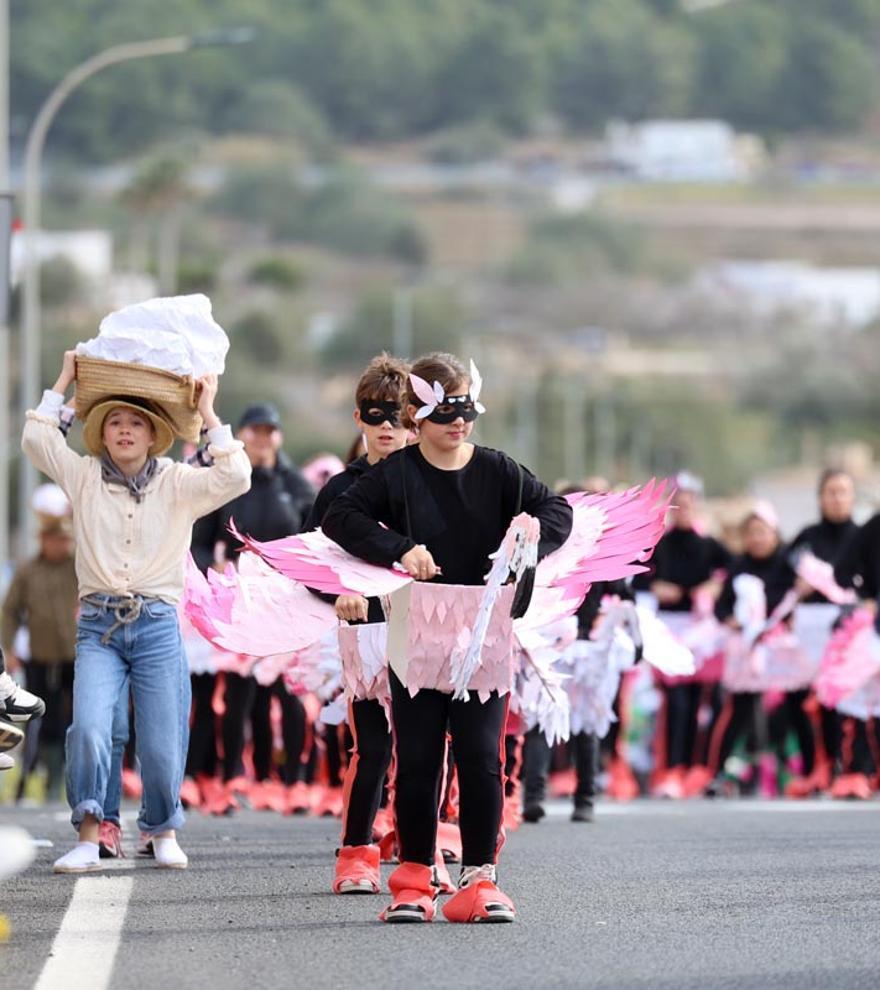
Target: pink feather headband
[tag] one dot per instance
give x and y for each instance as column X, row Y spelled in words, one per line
column 433, row 396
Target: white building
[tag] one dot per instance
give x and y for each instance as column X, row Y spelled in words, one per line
column 89, row 251
column 823, row 296
column 681, row 150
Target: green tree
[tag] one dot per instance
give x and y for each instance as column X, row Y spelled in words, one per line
column 624, row 61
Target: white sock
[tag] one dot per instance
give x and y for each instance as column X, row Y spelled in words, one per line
column 168, row 853
column 82, row 858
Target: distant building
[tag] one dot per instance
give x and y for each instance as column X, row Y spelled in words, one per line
column 823, row 296
column 89, row 251
column 682, row 151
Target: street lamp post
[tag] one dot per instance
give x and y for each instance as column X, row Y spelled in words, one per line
column 31, row 329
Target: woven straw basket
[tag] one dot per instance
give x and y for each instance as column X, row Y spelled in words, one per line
column 177, row 395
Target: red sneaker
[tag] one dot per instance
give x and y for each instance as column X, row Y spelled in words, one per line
column 696, row 780
column 479, row 899
column 298, row 802
column 412, row 887
column 383, row 823
column 217, row 799
column 268, row 795
column 110, row 841
column 670, row 784
column 852, row 785
column 357, row 870
column 330, row 803
column 622, row 784
column 442, row 880
column 190, row 795
column 132, row 787
column 449, row 842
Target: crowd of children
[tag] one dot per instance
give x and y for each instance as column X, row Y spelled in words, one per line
column 415, row 769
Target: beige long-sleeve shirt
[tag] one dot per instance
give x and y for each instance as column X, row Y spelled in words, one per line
column 128, row 547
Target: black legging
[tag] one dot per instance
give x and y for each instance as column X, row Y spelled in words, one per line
column 202, row 756
column 477, row 728
column 584, row 748
column 682, row 712
column 832, row 734
column 293, row 731
column 799, row 721
column 370, row 756
column 246, row 699
column 742, row 720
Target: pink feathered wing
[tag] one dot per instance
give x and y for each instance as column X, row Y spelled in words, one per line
column 612, row 536
column 851, row 660
column 255, row 611
column 317, row 562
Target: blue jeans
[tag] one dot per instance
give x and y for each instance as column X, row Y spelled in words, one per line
column 148, row 655
column 113, row 797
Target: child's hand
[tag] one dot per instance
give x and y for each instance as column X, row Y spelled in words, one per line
column 351, row 608
column 419, row 564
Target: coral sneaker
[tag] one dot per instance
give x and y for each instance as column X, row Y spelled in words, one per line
column 442, row 880
column 622, row 784
column 853, row 786
column 449, row 841
column 190, row 795
column 357, row 870
column 478, row 898
column 297, row 799
column 412, row 887
column 110, row 840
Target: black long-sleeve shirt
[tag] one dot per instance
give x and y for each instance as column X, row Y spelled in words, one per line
column 336, row 486
column 858, row 562
column 277, row 505
column 460, row 516
column 687, row 559
column 775, row 571
column 827, row 541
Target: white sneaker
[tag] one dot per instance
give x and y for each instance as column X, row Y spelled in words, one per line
column 6, row 761
column 85, row 857
column 169, row 855
column 16, row 704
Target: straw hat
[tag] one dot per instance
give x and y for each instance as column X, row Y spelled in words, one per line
column 94, row 424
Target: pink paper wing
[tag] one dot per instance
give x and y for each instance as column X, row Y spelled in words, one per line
column 314, row 560
column 612, row 535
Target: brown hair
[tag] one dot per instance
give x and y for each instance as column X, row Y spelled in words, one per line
column 384, row 379
column 829, row 473
column 438, row 367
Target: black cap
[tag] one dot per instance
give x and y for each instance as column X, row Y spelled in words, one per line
column 260, row 414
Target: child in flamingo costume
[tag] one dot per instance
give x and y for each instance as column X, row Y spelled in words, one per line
column 378, row 398
column 428, row 522
column 446, row 504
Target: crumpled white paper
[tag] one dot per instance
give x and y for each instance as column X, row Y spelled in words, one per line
column 176, row 333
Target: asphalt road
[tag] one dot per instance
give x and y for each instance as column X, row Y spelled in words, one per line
column 690, row 895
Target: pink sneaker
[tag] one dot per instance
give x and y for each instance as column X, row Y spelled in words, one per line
column 357, row 870
column 110, row 841
column 479, row 899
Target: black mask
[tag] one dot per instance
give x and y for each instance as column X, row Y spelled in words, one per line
column 454, row 407
column 375, row 413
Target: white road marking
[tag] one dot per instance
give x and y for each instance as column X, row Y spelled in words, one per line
column 85, row 946
column 559, row 808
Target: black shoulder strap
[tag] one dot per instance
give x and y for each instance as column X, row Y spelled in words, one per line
column 519, row 493
column 405, row 494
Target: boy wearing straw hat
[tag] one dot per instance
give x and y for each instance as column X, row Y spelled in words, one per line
column 133, row 512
